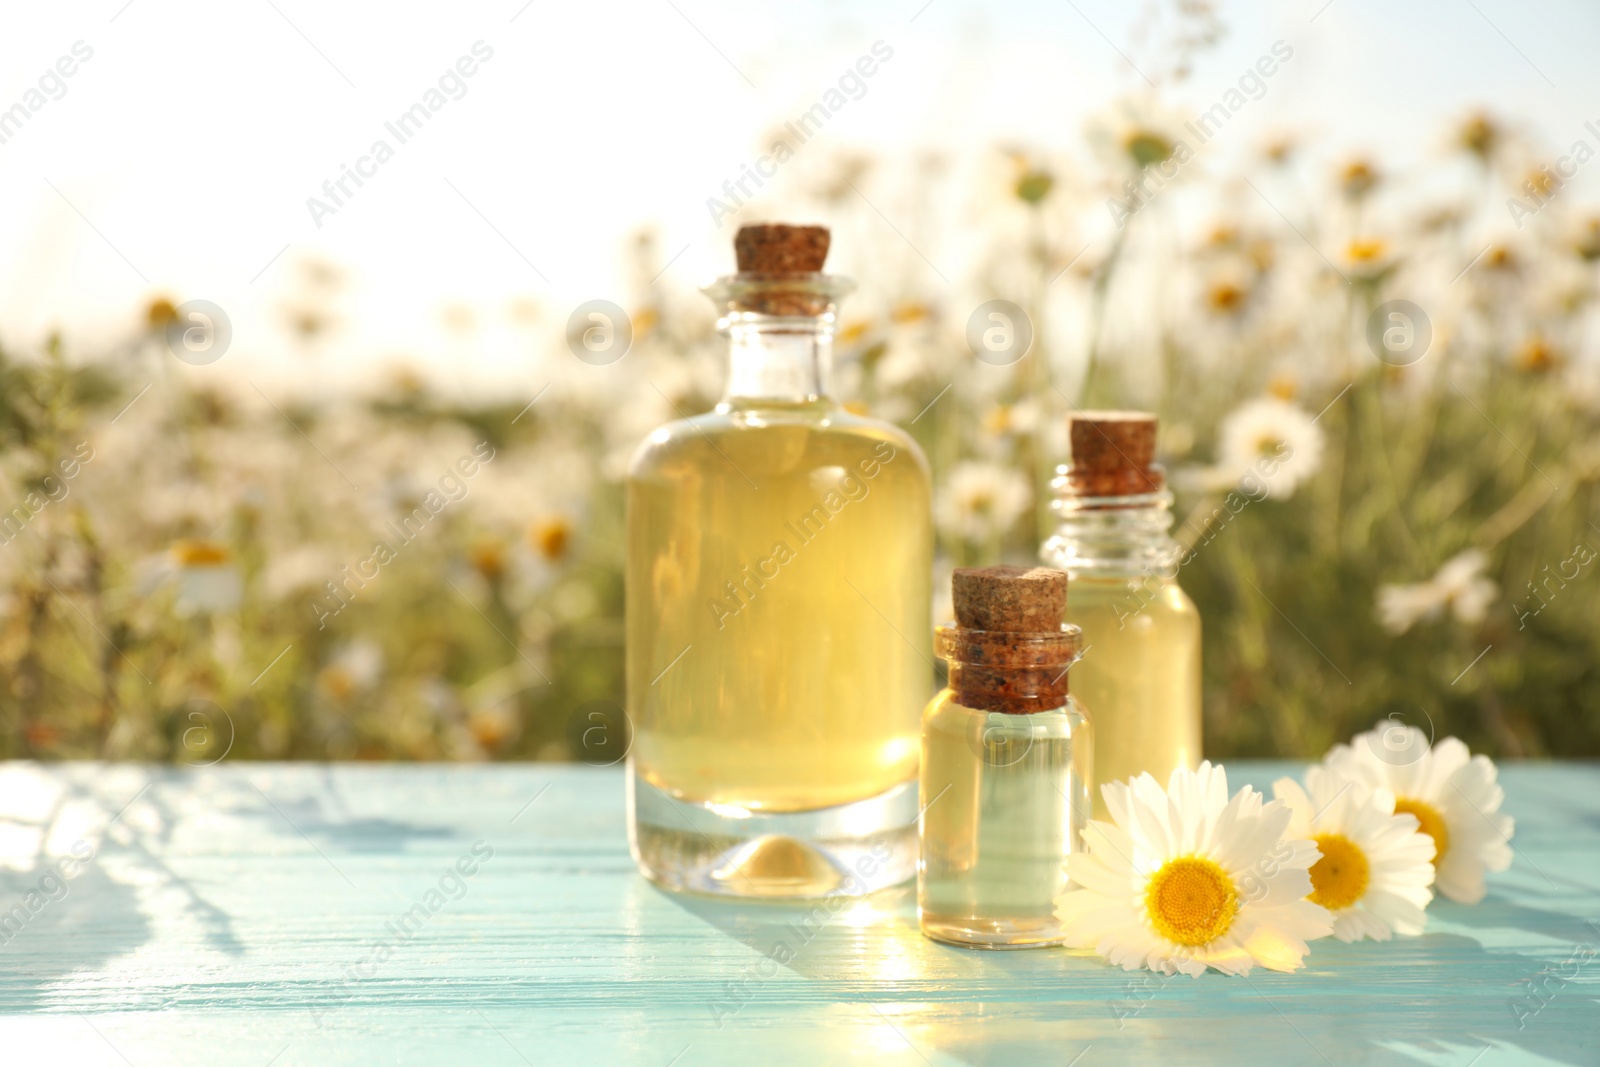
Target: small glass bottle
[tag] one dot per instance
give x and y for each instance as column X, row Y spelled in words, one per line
column 778, row 611
column 1140, row 671
column 1006, row 763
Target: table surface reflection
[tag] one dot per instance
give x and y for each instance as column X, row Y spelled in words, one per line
column 276, row 914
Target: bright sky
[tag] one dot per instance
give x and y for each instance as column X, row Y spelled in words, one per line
column 180, row 155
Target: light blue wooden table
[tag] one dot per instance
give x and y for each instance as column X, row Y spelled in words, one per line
column 260, row 914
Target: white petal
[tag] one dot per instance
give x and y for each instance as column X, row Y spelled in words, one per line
column 1086, row 917
column 1285, row 885
column 1408, row 854
column 1243, row 846
column 1115, row 795
column 1087, row 872
column 1348, row 925
column 1288, row 790
column 1110, row 845
column 1403, row 915
column 1227, row 955
column 1302, row 919
column 1276, row 950
column 1460, row 877
column 1213, row 779
column 1325, row 785
column 1147, row 822
column 1449, row 756
column 1131, row 949
column 1475, row 783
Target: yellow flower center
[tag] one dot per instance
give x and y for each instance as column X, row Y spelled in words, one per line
column 1535, row 355
column 854, row 331
column 200, row 554
column 1359, row 178
column 1191, row 901
column 908, row 313
column 1432, row 824
column 1147, row 147
column 1034, row 186
column 1225, row 296
column 337, row 682
column 551, row 538
column 159, row 312
column 1368, row 250
column 1269, row 445
column 489, row 557
column 1340, row 877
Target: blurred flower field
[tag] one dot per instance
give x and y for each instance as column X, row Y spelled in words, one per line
column 208, row 579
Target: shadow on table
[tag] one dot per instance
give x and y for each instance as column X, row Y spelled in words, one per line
column 79, row 925
column 1497, row 913
column 310, row 802
column 67, row 913
column 112, row 904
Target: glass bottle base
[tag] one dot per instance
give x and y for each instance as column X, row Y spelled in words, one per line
column 991, row 933
column 849, row 850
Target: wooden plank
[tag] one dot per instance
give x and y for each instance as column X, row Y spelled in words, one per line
column 238, row 915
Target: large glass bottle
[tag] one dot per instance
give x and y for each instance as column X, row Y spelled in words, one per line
column 778, row 603
column 1140, row 669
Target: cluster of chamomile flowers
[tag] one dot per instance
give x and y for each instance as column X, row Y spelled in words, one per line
column 1188, row 877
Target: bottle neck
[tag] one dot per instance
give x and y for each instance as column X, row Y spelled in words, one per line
column 777, row 359
column 1111, row 537
column 780, row 336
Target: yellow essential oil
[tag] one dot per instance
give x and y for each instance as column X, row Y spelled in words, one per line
column 778, row 598
column 766, row 656
column 1142, row 665
column 1140, row 671
column 1006, row 766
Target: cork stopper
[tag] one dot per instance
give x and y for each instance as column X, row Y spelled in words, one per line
column 1113, row 453
column 776, row 248
column 1014, row 599
column 1009, row 651
column 780, row 273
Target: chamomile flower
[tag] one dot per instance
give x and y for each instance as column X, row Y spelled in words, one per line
column 1452, row 793
column 1460, row 587
column 1376, row 866
column 1275, row 440
column 982, row 501
column 1138, row 134
column 1185, row 878
column 207, row 578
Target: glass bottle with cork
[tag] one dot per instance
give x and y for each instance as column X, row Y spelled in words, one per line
column 778, row 602
column 1140, row 672
column 1006, row 764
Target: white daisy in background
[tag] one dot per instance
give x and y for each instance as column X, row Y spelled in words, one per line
column 354, row 669
column 1272, row 440
column 1376, row 865
column 1452, row 793
column 1184, row 878
column 981, row 501
column 1026, row 416
column 1459, row 587
column 207, row 578
column 1138, row 133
